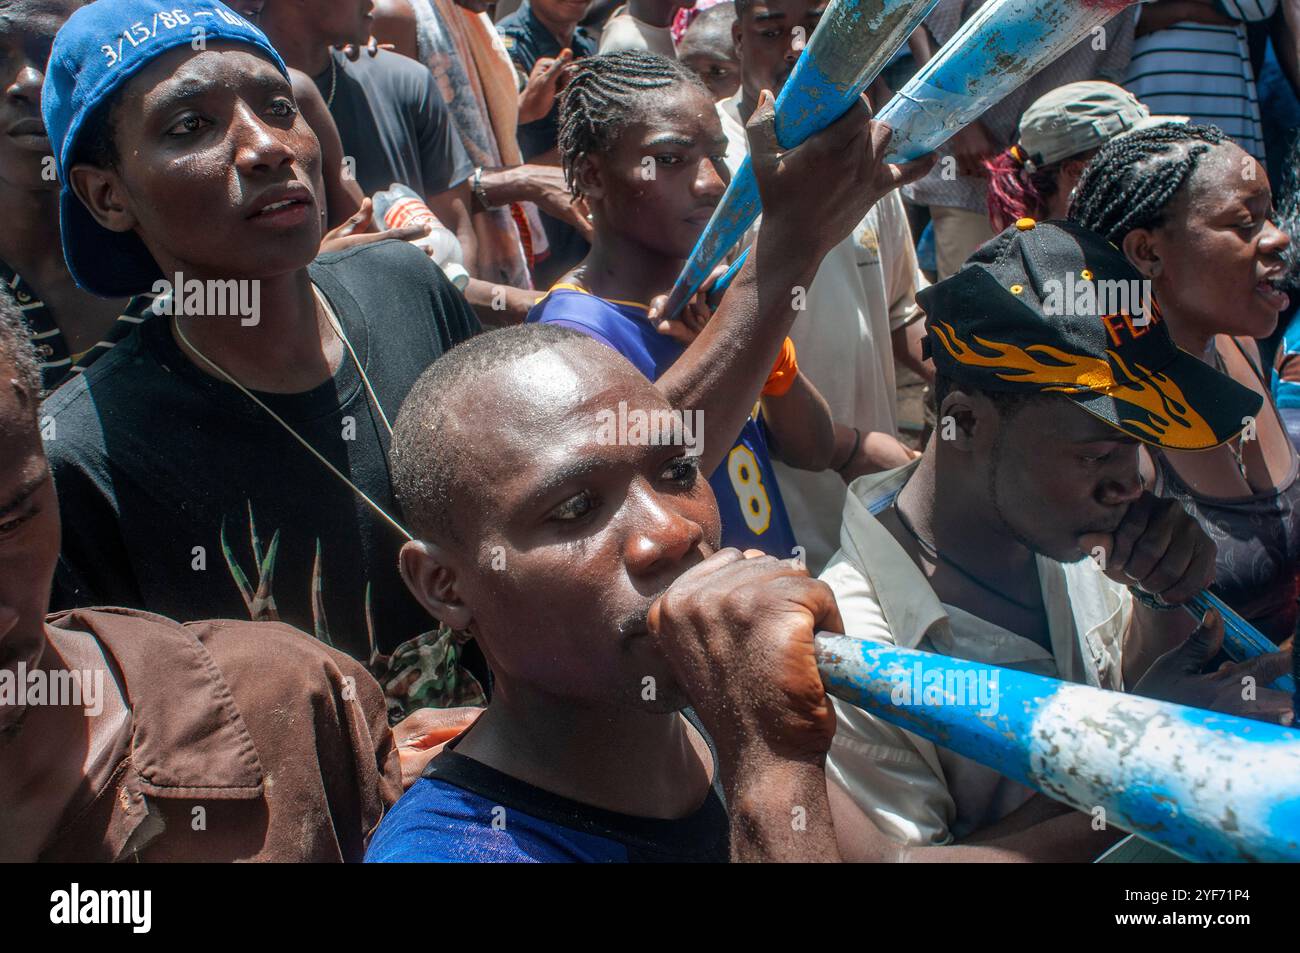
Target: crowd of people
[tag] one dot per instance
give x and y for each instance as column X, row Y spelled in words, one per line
column 362, row 499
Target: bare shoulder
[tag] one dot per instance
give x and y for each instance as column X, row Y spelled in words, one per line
column 304, row 90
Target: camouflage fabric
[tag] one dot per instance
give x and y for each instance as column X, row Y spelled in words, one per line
column 423, row 672
column 426, row 672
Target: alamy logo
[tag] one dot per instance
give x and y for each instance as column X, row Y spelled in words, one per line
column 74, row 906
column 919, row 684
column 83, row 688
column 230, row 297
column 1083, row 297
column 651, row 428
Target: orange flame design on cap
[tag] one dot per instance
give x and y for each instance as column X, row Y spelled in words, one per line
column 1166, row 417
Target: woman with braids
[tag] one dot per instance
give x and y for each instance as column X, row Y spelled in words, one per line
column 1058, row 134
column 641, row 142
column 1194, row 214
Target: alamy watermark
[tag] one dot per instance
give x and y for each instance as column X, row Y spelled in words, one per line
column 229, row 297
column 1079, row 296
column 930, row 686
column 651, row 428
column 132, row 908
column 82, row 688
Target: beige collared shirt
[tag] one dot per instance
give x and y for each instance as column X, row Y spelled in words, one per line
column 913, row 790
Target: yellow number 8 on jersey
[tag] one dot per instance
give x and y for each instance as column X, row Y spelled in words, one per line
column 747, row 481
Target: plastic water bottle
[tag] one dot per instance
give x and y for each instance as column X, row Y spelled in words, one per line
column 400, row 206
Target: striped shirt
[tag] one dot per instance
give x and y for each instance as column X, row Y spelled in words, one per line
column 1203, row 72
column 58, row 363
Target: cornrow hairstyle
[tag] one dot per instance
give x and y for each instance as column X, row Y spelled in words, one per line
column 602, row 97
column 1131, row 182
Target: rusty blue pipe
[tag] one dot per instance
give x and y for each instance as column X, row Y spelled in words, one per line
column 1208, row 787
column 849, row 48
column 1001, row 46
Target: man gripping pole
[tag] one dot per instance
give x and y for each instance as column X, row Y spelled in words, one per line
column 854, row 41
column 1001, row 46
column 1015, row 541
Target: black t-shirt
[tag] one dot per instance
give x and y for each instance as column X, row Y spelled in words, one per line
column 394, row 123
column 181, row 496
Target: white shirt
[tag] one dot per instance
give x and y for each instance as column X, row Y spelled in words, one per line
column 864, row 290
column 913, row 790
column 625, row 32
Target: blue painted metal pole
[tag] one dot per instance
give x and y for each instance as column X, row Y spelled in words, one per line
column 1002, row 45
column 1206, row 786
column 1241, row 640
column 724, row 282
column 849, row 48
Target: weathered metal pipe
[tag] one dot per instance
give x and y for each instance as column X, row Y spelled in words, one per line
column 849, row 48
column 1001, row 46
column 1206, row 786
column 1241, row 640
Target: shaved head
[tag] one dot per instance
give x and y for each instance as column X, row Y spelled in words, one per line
column 441, row 457
column 709, row 32
column 540, row 532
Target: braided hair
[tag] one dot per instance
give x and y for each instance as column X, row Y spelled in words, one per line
column 1131, row 182
column 602, row 97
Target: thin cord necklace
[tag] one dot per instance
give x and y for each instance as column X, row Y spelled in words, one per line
column 334, row 76
column 365, row 380
column 936, row 556
column 1239, row 451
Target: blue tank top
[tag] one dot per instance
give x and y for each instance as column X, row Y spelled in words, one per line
column 749, row 499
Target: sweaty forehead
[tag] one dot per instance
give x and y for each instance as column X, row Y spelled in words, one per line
column 537, row 398
column 545, row 406
column 685, row 110
column 183, row 71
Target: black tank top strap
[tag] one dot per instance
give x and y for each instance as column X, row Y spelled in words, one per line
column 1253, row 366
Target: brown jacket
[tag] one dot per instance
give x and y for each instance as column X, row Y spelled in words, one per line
column 247, row 741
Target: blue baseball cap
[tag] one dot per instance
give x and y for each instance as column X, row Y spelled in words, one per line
column 100, row 48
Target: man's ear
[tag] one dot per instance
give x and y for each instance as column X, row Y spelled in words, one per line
column 1143, row 253
column 427, row 572
column 736, row 34
column 101, row 191
column 589, row 177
